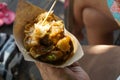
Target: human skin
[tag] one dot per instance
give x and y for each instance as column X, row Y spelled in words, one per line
column 101, row 52
column 97, row 19
column 73, row 72
column 118, row 2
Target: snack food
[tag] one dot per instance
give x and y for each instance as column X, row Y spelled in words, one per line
column 45, row 40
column 25, row 15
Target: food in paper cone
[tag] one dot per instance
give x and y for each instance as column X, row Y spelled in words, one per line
column 30, row 31
column 45, row 40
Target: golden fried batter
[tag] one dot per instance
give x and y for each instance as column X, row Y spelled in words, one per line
column 46, row 41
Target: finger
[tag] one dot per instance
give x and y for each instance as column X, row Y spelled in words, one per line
column 74, row 64
column 76, row 69
column 41, row 64
column 45, row 66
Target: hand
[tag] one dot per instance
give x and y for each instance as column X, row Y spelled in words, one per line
column 73, row 72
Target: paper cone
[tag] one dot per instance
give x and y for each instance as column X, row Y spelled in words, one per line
column 26, row 12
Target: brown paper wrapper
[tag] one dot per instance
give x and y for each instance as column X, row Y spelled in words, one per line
column 26, row 12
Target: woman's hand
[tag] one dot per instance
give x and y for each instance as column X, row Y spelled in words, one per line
column 73, row 72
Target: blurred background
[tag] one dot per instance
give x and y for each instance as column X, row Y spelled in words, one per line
column 13, row 66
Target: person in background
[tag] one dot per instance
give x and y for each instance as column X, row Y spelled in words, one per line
column 95, row 17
